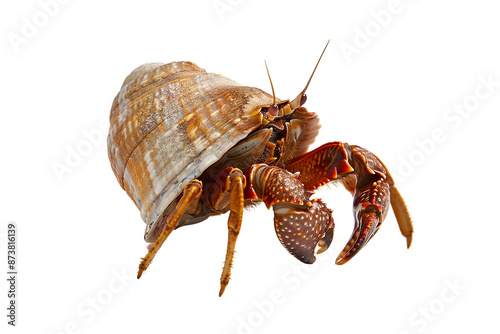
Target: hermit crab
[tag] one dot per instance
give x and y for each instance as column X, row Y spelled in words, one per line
column 186, row 145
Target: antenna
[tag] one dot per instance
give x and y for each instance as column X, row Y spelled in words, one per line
column 301, row 98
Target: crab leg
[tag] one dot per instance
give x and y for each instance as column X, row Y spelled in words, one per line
column 236, row 181
column 322, row 165
column 191, row 195
column 366, row 177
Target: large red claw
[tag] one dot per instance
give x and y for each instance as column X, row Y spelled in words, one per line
column 301, row 224
column 301, row 228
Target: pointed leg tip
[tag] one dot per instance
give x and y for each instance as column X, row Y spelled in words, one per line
column 140, row 271
column 142, row 268
column 408, row 241
column 223, row 285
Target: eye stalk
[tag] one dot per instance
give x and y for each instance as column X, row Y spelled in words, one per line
column 273, row 108
column 302, row 98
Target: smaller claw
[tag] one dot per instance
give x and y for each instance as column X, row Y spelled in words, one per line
column 371, row 204
column 362, row 233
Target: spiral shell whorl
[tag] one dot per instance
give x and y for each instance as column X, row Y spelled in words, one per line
column 171, row 122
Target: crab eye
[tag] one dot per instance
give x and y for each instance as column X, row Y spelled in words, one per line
column 303, row 99
column 273, row 110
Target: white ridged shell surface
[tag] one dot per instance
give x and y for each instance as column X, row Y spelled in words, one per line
column 169, row 123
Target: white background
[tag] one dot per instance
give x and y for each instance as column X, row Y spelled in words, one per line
column 78, row 230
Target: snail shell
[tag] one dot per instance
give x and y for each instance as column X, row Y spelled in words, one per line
column 168, row 124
